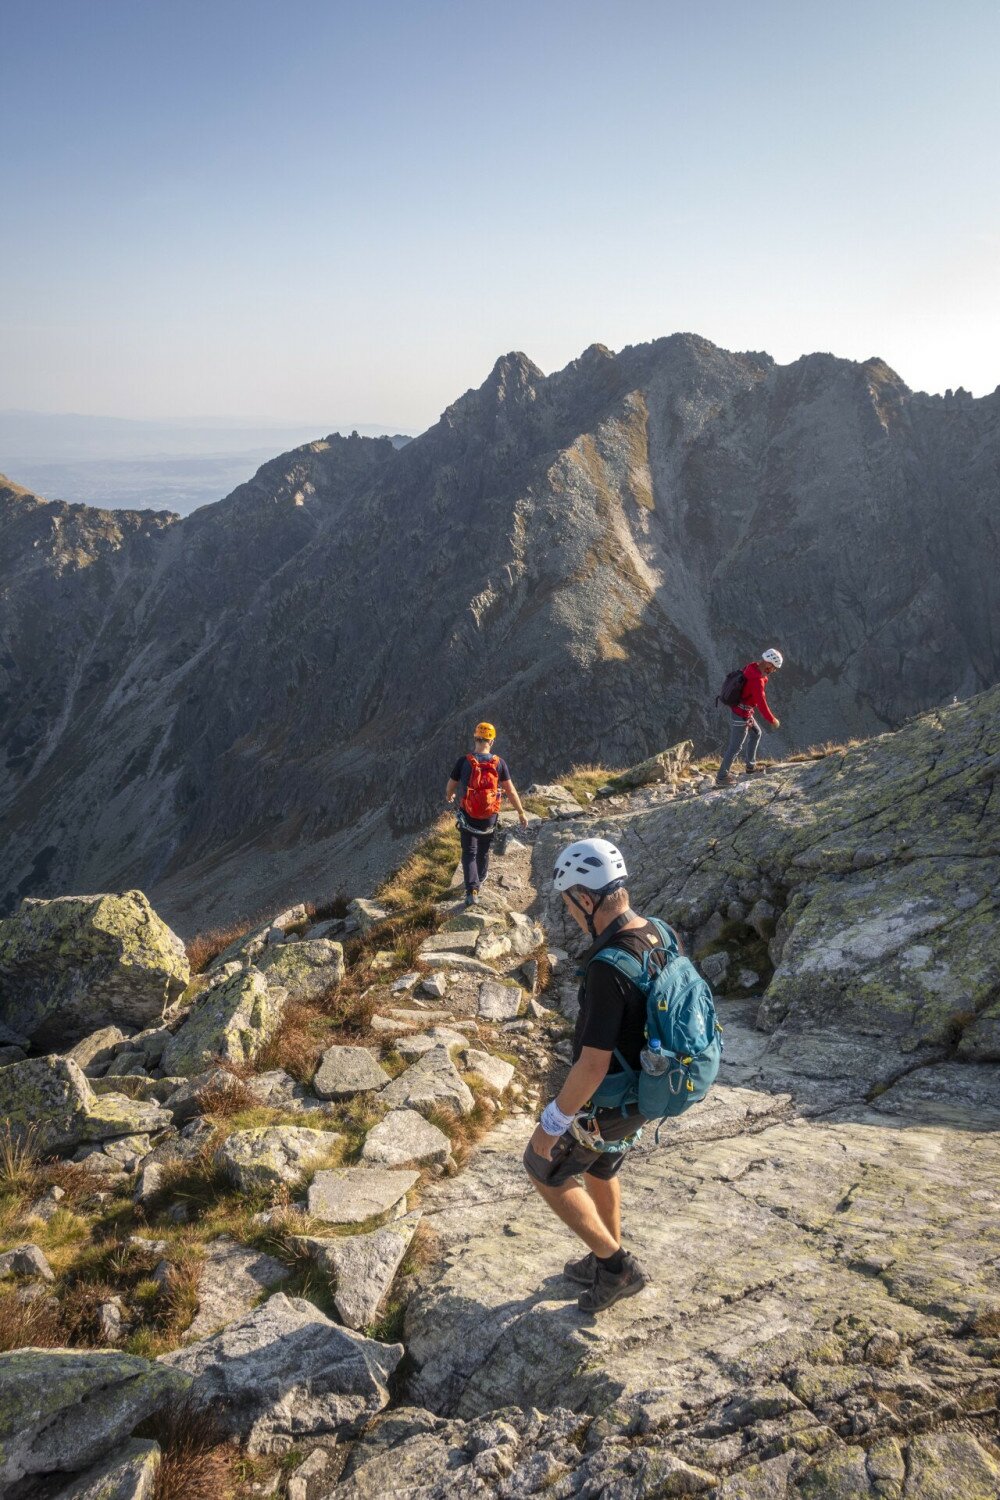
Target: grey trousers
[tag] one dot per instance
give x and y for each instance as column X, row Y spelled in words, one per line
column 743, row 732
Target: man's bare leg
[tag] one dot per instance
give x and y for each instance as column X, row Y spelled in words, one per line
column 575, row 1206
column 607, row 1196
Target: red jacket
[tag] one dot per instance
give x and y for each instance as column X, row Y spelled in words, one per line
column 754, row 694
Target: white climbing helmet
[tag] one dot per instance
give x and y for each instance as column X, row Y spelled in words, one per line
column 595, row 864
column 774, row 657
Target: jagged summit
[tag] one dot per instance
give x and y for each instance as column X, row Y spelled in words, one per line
column 205, row 708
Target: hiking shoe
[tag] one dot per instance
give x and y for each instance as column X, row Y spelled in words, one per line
column 471, row 897
column 726, row 780
column 756, row 770
column 583, row 1270
column 607, row 1288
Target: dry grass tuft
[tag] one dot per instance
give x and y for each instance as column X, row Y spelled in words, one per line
column 465, row 1131
column 297, row 1044
column 32, row 1323
column 198, row 1460
column 583, row 781
column 19, row 1161
column 223, row 1100
column 426, row 875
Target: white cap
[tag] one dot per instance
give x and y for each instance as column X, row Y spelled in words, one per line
column 592, row 863
column 774, row 657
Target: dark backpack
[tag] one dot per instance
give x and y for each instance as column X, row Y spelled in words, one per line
column 732, row 689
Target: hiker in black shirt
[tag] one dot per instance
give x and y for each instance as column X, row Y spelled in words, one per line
column 574, row 1162
column 480, row 779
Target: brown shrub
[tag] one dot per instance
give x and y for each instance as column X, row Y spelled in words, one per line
column 222, row 1100
column 205, row 946
column 325, row 911
column 297, row 1044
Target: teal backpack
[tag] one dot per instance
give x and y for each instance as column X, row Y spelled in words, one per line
column 681, row 1012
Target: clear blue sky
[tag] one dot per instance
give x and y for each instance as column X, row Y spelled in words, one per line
column 344, row 210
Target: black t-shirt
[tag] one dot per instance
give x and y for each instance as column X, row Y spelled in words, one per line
column 461, row 772
column 612, row 1008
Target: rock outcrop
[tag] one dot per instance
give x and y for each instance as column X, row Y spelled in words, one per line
column 60, row 1409
column 286, row 1370
column 76, row 963
column 212, row 725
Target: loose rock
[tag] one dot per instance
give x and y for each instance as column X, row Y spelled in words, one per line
column 432, row 1082
column 405, row 1137
column 61, row 1409
column 127, row 1474
column 232, row 1277
column 76, row 962
column 230, row 1023
column 271, row 1156
column 350, row 1195
column 344, row 1071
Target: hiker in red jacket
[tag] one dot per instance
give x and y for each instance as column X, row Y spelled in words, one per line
column 745, row 732
column 481, row 778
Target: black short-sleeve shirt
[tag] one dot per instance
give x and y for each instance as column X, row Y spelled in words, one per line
column 612, row 1008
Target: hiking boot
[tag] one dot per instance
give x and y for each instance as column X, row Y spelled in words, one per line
column 726, row 780
column 471, row 897
column 607, row 1288
column 756, row 770
column 583, row 1270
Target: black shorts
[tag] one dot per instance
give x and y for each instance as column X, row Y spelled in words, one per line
column 570, row 1159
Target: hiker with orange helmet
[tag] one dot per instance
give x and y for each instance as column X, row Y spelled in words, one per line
column 481, row 779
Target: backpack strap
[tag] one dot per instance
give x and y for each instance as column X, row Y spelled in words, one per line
column 625, row 963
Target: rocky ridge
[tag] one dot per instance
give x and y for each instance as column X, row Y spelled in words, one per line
column 824, row 1319
column 203, row 708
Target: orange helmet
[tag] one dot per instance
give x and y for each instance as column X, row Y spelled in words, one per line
column 484, row 731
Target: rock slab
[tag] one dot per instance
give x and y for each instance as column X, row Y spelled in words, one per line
column 362, row 1267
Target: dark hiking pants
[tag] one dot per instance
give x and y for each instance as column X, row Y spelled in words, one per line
column 475, row 856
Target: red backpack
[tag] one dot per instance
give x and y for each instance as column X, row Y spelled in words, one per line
column 482, row 797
